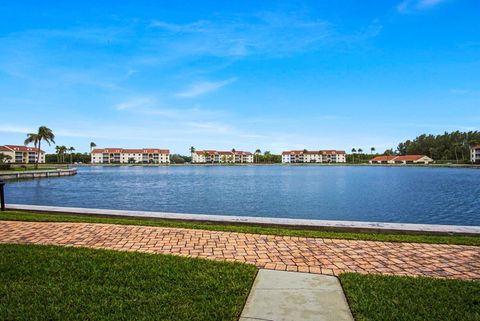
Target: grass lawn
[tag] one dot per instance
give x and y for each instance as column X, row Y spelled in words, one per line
column 41, row 217
column 24, row 169
column 60, row 283
column 374, row 297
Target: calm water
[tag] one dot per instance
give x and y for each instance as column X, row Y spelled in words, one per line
column 386, row 194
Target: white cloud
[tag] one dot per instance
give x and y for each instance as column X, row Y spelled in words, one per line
column 253, row 136
column 15, row 129
column 135, row 103
column 459, row 91
column 198, row 26
column 428, row 3
column 407, row 6
column 238, row 36
column 204, row 87
column 215, row 127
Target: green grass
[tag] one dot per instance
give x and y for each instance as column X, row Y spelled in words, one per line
column 59, row 283
column 385, row 298
column 23, row 169
column 434, row 239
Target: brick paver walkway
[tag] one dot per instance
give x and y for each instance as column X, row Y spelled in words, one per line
column 314, row 255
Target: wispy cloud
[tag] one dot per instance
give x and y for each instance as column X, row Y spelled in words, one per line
column 470, row 92
column 407, row 6
column 211, row 126
column 135, row 103
column 150, row 105
column 238, row 36
column 15, row 129
column 203, row 87
column 195, row 121
column 459, row 91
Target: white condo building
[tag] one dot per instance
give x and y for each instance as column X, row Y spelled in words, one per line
column 475, row 154
column 22, row 154
column 130, row 156
column 314, row 156
column 214, row 156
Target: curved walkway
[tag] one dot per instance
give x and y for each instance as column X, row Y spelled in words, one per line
column 314, row 255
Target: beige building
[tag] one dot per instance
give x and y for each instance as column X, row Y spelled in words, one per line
column 214, row 156
column 315, row 156
column 475, row 154
column 130, row 156
column 22, row 154
column 412, row 159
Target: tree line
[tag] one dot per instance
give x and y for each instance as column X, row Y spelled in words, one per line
column 447, row 146
column 453, row 146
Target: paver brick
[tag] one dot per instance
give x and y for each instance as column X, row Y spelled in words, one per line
column 313, row 255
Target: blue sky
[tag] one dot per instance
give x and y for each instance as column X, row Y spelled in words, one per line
column 273, row 75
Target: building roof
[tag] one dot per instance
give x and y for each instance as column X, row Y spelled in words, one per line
column 398, row 158
column 20, row 148
column 314, row 152
column 475, row 146
column 130, row 151
column 411, row 157
column 383, row 158
column 222, row 152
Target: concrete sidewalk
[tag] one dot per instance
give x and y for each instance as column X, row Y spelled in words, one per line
column 293, row 296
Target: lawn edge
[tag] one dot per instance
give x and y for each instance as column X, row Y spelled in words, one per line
column 33, row 216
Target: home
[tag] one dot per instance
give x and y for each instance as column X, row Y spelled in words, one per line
column 318, row 156
column 214, row 156
column 125, row 156
column 22, row 154
column 406, row 159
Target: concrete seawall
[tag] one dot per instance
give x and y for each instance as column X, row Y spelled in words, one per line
column 339, row 226
column 38, row 173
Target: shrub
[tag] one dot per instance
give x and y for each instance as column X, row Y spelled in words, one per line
column 5, row 167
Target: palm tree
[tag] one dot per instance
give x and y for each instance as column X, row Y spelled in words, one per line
column 456, row 145
column 372, row 149
column 4, row 157
column 233, row 150
column 257, row 152
column 192, row 150
column 61, row 151
column 47, row 135
column 57, row 150
column 353, row 154
column 71, row 149
column 205, row 154
column 92, row 145
column 44, row 133
column 360, row 150
column 32, row 138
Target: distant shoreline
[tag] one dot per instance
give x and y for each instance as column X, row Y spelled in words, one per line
column 289, row 164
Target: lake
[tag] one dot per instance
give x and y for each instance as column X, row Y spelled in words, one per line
column 359, row 193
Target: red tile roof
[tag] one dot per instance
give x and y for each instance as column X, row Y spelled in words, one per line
column 221, row 152
column 314, row 152
column 475, row 147
column 410, row 157
column 397, row 158
column 21, row 148
column 383, row 158
column 130, row 151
